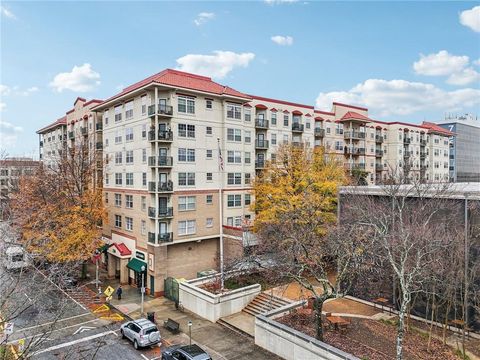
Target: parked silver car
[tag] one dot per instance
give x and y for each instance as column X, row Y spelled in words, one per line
column 185, row 352
column 141, row 332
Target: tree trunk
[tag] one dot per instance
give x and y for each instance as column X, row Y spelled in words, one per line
column 401, row 327
column 318, row 305
column 431, row 323
column 445, row 324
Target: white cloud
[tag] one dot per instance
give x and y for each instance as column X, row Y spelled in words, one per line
column 477, row 62
column 9, row 133
column 203, row 17
column 80, row 79
column 466, row 76
column 276, row 2
column 471, row 18
column 4, row 90
column 282, row 40
column 440, row 64
column 2, row 106
column 400, row 97
column 444, row 64
column 7, row 13
column 217, row 65
column 28, row 91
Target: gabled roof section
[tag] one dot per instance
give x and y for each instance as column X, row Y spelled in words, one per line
column 352, row 115
column 57, row 123
column 183, row 80
column 434, row 128
column 349, row 106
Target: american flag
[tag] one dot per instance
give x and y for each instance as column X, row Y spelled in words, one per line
column 220, row 157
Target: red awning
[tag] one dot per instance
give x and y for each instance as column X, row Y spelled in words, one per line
column 261, row 107
column 122, row 249
column 286, row 112
column 319, row 118
column 296, row 112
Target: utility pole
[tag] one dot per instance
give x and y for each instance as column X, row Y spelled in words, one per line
column 465, row 296
column 143, row 287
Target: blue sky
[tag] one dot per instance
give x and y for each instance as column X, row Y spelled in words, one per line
column 406, row 61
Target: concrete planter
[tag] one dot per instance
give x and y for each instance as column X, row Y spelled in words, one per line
column 291, row 344
column 214, row 306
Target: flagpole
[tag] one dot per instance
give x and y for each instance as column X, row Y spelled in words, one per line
column 220, row 205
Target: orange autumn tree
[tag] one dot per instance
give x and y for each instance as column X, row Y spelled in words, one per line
column 296, row 209
column 58, row 211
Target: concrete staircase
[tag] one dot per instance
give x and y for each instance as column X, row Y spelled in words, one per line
column 263, row 303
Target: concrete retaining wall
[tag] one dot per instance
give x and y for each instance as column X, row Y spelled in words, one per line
column 215, row 306
column 291, row 344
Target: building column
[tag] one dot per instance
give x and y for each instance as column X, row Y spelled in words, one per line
column 123, row 271
column 111, row 265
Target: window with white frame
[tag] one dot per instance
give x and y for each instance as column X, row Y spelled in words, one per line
column 285, row 120
column 209, row 154
column 144, row 179
column 118, row 200
column 234, row 135
column 144, row 104
column 274, row 139
column 186, row 203
column 129, row 179
column 209, row 130
column 186, row 105
column 144, row 131
column 209, row 223
column 273, row 118
column 248, row 114
column 118, row 178
column 143, row 227
column 118, row 137
column 234, row 200
column 186, row 130
column 118, row 221
column 209, row 176
column 248, row 199
column 144, row 155
column 186, row 179
column 129, row 110
column 234, row 178
column 128, row 223
column 107, row 179
column 234, row 111
column 129, row 134
column 118, row 113
column 118, row 157
column 129, row 201
column 186, row 155
column 209, row 199
column 234, row 157
column 105, row 117
column 248, row 178
column 209, row 104
column 186, row 227
column 129, row 157
column 247, row 157
column 248, row 136
column 143, row 203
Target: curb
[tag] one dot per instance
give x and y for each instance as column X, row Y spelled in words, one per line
column 119, row 311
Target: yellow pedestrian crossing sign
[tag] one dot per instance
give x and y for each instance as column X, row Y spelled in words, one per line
column 109, row 291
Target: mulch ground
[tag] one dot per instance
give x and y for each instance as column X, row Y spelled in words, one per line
column 372, row 340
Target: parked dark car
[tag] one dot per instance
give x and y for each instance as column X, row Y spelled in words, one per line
column 185, row 352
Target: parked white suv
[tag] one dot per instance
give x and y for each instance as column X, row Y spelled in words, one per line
column 141, row 332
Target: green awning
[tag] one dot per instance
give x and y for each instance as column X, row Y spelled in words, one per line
column 136, row 265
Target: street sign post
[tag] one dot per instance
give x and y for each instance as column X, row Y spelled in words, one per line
column 21, row 346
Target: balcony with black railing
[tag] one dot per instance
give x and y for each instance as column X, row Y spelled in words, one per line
column 261, row 144
column 99, row 146
column 162, row 135
column 160, row 238
column 83, row 130
column 378, row 139
column 161, row 186
column 71, row 135
column 319, row 132
column 423, row 142
column 378, row 167
column 297, row 127
column 423, row 154
column 160, row 161
column 354, row 151
column 407, row 140
column 261, row 123
column 160, row 213
column 259, row 164
column 378, row 152
column 161, row 110
column 98, row 126
column 354, row 135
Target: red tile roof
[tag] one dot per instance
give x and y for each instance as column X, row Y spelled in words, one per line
column 183, row 80
column 350, row 106
column 59, row 122
column 280, row 101
column 323, row 112
column 432, row 127
column 353, row 115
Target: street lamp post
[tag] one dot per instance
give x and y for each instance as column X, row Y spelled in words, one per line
column 190, row 331
column 143, row 286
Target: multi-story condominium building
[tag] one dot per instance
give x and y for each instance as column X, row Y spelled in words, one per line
column 181, row 152
column 464, row 148
column 79, row 128
column 11, row 169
